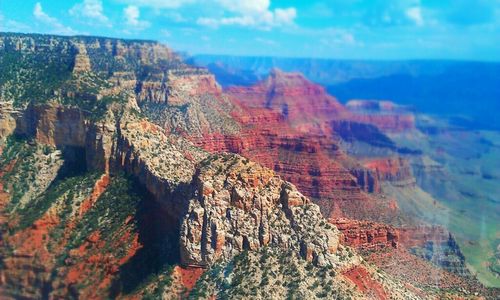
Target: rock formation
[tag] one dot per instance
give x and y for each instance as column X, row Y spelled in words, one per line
column 242, row 206
column 7, row 120
column 367, row 235
column 396, row 170
column 302, row 103
column 82, row 60
column 54, row 125
column 385, row 115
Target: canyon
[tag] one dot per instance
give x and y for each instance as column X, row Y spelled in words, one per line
column 143, row 198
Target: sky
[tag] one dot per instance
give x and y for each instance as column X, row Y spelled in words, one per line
column 340, row 29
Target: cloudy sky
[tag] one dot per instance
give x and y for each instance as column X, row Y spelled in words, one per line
column 356, row 29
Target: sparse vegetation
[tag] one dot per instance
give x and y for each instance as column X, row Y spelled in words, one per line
column 269, row 272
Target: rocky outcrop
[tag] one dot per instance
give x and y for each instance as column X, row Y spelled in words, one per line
column 164, row 164
column 175, row 87
column 54, row 124
column 396, row 170
column 242, row 206
column 7, row 120
column 239, row 205
column 385, row 115
column 187, row 83
column 82, row 60
column 186, row 101
column 367, row 235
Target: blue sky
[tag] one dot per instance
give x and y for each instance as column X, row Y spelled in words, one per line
column 345, row 29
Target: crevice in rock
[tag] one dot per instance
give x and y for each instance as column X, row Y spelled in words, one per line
column 158, row 235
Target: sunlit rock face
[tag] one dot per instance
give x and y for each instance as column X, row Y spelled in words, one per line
column 243, row 206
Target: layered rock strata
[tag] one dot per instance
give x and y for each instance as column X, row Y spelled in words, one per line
column 367, row 235
column 385, row 115
column 396, row 170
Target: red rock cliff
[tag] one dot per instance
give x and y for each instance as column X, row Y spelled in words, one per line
column 366, row 235
column 396, row 170
column 386, row 115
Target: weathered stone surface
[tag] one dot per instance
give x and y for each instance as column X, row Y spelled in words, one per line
column 82, row 60
column 367, row 235
column 243, row 206
column 54, row 125
column 7, row 120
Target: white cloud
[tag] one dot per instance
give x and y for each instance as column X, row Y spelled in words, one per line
column 8, row 25
column 158, row 4
column 247, row 13
column 246, row 7
column 165, row 33
column 242, row 21
column 266, row 42
column 132, row 16
column 91, row 10
column 251, row 13
column 415, row 14
column 174, row 17
column 285, row 16
column 14, row 26
column 334, row 37
column 57, row 27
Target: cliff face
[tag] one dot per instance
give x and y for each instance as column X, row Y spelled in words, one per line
column 385, row 115
column 430, row 243
column 54, row 125
column 396, row 170
column 191, row 104
column 367, row 235
column 7, row 120
column 301, row 102
column 163, row 164
column 242, row 206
